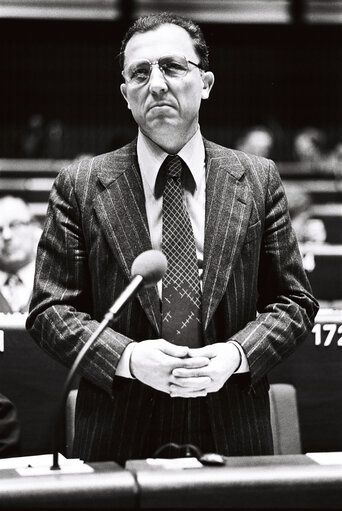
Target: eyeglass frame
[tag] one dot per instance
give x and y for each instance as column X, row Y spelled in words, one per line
column 156, row 62
column 14, row 226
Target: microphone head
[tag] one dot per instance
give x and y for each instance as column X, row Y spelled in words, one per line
column 151, row 265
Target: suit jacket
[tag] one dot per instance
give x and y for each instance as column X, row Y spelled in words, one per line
column 255, row 292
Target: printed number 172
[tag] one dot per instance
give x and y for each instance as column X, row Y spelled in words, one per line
column 331, row 329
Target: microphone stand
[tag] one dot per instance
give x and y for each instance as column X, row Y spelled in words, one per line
column 112, row 315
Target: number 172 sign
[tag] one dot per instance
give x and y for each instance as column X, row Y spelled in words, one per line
column 327, row 333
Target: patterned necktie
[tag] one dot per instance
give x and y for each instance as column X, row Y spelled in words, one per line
column 181, row 288
column 13, row 288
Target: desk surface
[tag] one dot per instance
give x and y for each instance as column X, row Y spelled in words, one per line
column 108, row 486
column 264, row 482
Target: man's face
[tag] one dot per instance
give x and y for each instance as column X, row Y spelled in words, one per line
column 166, row 108
column 18, row 235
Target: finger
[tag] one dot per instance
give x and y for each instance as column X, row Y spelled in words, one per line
column 184, row 393
column 173, row 350
column 190, row 383
column 194, row 363
column 205, row 351
column 189, row 372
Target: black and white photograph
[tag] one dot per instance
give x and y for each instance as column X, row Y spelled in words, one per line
column 171, row 254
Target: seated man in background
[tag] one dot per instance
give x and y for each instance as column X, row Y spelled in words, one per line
column 19, row 234
column 9, row 429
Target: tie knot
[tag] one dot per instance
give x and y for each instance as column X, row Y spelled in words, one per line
column 174, row 166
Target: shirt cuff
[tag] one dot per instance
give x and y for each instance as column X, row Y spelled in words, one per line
column 244, row 366
column 123, row 367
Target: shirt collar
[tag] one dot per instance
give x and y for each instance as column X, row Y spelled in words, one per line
column 25, row 274
column 151, row 156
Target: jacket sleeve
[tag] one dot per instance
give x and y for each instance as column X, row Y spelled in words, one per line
column 286, row 307
column 60, row 312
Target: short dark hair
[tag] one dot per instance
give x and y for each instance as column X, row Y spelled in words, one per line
column 154, row 21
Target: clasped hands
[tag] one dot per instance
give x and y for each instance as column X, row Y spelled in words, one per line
column 181, row 371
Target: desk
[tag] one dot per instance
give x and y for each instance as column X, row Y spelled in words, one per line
column 322, row 191
column 331, row 215
column 315, row 371
column 260, row 482
column 325, row 275
column 263, row 482
column 32, row 380
column 109, row 486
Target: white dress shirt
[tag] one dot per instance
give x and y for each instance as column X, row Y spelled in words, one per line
column 150, row 159
column 26, row 275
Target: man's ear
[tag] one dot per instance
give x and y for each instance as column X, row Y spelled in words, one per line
column 123, row 90
column 208, row 79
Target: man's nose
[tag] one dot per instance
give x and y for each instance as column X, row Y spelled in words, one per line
column 6, row 233
column 157, row 83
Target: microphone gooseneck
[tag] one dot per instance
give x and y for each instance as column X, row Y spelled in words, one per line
column 147, row 269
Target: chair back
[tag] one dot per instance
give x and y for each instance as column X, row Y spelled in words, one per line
column 70, row 421
column 284, row 419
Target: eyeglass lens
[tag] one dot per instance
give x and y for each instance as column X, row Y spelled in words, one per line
column 171, row 66
column 14, row 226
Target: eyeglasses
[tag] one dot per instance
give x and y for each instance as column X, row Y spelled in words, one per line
column 172, row 66
column 15, row 226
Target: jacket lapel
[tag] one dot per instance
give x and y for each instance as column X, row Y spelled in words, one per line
column 121, row 211
column 4, row 305
column 227, row 214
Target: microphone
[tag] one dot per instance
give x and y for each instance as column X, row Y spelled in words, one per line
column 147, row 269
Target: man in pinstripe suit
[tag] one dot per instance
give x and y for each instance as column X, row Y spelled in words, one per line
column 137, row 388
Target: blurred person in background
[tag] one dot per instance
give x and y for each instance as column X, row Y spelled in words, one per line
column 19, row 235
column 32, row 141
column 309, row 145
column 334, row 161
column 257, row 140
column 308, row 230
